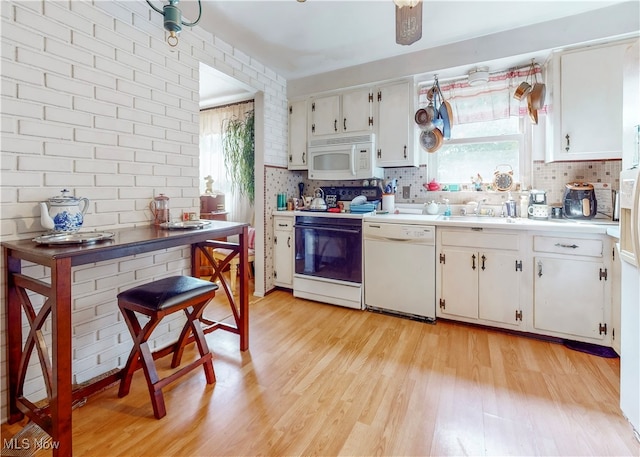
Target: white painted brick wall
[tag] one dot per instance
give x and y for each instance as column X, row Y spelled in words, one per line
column 94, row 100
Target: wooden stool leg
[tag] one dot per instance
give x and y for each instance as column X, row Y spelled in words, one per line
column 151, row 374
column 193, row 325
column 203, row 347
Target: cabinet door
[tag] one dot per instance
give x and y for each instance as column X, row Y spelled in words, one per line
column 569, row 297
column 588, row 104
column 499, row 287
column 325, row 115
column 394, row 139
column 459, row 283
column 283, row 249
column 356, row 111
column 298, row 135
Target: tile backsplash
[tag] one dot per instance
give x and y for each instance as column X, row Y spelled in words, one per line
column 550, row 177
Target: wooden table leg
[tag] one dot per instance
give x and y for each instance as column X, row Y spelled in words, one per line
column 244, row 289
column 240, row 308
column 61, row 398
column 14, row 336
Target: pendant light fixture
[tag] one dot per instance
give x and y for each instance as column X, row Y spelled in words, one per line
column 173, row 19
column 408, row 21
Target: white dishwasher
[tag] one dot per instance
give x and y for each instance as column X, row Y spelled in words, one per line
column 399, row 268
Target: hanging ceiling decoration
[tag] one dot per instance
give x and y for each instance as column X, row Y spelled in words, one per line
column 173, row 19
column 408, row 21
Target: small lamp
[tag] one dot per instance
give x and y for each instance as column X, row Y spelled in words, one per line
column 173, row 19
column 478, row 76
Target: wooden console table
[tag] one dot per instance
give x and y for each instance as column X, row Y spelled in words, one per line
column 55, row 417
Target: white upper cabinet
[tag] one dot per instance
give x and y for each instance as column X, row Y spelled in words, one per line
column 297, row 135
column 357, row 113
column 394, row 140
column 585, row 122
column 342, row 113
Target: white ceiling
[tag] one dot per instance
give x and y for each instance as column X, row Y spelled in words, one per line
column 300, row 39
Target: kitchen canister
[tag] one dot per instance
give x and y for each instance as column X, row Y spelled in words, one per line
column 282, row 202
column 389, row 202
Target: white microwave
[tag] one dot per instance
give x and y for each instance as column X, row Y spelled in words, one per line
column 344, row 157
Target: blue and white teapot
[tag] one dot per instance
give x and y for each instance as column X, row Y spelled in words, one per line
column 64, row 213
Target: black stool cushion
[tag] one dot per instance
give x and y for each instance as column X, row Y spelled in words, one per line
column 167, row 292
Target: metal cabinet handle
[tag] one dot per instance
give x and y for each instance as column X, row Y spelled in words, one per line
column 572, row 246
column 344, row 123
column 335, row 125
column 473, row 262
column 405, row 151
column 304, row 157
column 539, row 269
column 289, row 242
column 283, row 225
column 568, row 146
column 483, row 260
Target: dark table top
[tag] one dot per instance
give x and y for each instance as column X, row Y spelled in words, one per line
column 127, row 241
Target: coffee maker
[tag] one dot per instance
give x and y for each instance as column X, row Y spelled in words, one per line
column 538, row 208
column 537, row 197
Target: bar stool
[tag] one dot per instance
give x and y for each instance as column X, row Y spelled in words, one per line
column 156, row 300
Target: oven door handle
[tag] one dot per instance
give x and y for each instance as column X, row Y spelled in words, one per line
column 328, row 229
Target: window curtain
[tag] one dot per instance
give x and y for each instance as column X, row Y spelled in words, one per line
column 212, row 159
column 487, row 102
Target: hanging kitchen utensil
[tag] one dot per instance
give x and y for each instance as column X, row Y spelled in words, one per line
column 533, row 113
column 524, row 88
column 431, row 140
column 446, row 121
column 422, row 117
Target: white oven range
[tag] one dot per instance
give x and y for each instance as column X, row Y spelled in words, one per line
column 328, row 258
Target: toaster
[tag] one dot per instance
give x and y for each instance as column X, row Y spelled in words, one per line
column 579, row 201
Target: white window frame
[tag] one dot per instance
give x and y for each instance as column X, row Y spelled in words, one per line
column 525, row 155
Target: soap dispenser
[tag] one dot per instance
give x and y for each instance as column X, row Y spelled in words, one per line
column 510, row 206
column 447, row 210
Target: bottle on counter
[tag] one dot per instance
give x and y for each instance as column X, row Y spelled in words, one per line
column 524, row 206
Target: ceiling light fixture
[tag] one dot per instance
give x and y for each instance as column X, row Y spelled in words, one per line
column 478, row 76
column 408, row 21
column 173, row 19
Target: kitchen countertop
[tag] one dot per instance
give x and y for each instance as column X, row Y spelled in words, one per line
column 410, row 215
column 551, row 225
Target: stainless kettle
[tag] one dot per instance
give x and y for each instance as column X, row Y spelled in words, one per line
column 318, row 203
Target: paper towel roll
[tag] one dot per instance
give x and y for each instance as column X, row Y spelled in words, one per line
column 389, row 202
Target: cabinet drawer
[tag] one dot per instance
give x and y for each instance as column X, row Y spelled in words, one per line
column 283, row 223
column 572, row 246
column 506, row 241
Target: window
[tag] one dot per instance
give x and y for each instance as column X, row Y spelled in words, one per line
column 479, row 148
column 490, row 130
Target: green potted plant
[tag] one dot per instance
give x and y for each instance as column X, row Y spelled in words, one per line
column 239, row 153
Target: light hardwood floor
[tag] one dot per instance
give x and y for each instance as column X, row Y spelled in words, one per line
column 324, row 380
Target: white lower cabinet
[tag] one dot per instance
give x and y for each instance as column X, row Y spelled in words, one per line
column 480, row 276
column 549, row 283
column 571, row 288
column 283, row 251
